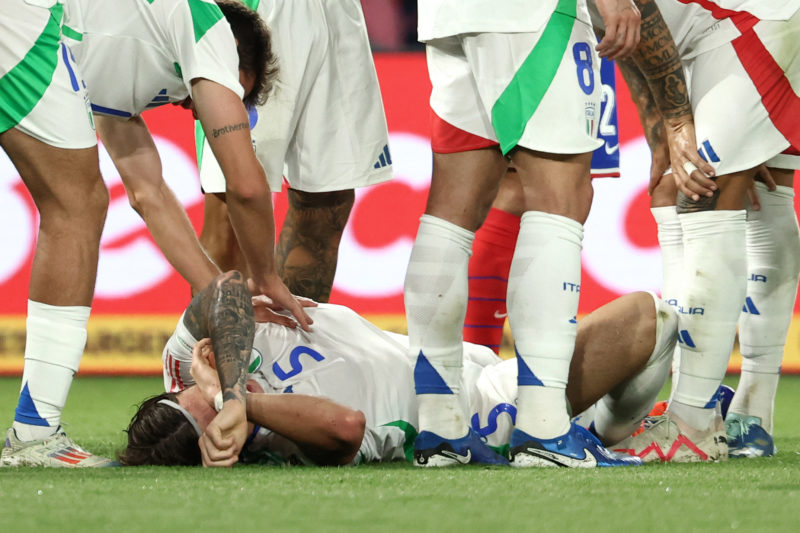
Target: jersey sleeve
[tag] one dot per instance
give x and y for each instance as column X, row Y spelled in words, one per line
column 204, row 45
column 177, row 359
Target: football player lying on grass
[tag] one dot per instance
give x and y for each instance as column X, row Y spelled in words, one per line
column 344, row 392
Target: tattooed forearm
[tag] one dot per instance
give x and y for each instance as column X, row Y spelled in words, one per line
column 223, row 311
column 216, row 132
column 657, row 57
column 687, row 205
column 308, row 247
column 649, row 115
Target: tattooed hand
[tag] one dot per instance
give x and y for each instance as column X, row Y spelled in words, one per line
column 691, row 172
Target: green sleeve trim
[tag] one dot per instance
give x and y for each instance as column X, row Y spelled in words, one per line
column 252, row 4
column 204, row 16
column 520, row 99
column 25, row 84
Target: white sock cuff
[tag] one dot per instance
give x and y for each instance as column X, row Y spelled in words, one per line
column 75, row 315
column 435, row 226
column 551, row 224
column 705, row 223
column 665, row 214
column 666, row 331
column 56, row 334
column 781, row 194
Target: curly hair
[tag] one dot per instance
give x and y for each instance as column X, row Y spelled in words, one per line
column 255, row 48
column 160, row 435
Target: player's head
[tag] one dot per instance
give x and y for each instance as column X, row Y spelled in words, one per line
column 254, row 44
column 162, row 432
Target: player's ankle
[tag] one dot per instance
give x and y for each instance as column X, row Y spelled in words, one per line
column 29, row 432
column 693, row 419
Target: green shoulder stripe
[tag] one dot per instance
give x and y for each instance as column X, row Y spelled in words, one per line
column 204, row 16
column 25, row 84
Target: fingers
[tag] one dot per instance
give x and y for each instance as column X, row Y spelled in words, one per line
column 752, row 197
column 221, row 454
column 300, row 315
column 308, row 302
column 623, row 33
column 766, row 176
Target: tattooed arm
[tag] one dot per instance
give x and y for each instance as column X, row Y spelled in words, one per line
column 223, row 312
column 658, row 60
column 651, row 119
column 226, row 125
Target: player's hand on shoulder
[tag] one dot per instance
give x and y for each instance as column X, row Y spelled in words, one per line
column 622, row 21
column 203, row 370
column 279, row 298
column 223, row 439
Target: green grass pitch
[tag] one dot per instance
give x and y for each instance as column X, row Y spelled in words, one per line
column 746, row 495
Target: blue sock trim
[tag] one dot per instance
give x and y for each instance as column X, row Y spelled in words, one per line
column 426, row 379
column 26, row 412
column 525, row 376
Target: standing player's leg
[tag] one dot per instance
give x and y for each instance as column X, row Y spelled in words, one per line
column 69, row 193
column 48, row 133
column 492, row 252
column 773, row 260
column 435, row 291
column 308, row 247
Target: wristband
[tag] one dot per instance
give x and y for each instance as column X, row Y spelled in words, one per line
column 218, row 402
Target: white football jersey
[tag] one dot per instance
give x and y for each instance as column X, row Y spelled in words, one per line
column 443, row 18
column 138, row 54
column 344, row 358
column 701, row 25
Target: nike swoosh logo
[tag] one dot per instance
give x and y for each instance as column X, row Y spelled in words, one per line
column 588, row 461
column 463, row 459
column 498, row 314
column 611, row 150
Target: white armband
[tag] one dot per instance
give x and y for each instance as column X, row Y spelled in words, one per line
column 218, row 402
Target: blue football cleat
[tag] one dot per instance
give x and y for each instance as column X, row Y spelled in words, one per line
column 432, row 450
column 578, row 448
column 746, row 437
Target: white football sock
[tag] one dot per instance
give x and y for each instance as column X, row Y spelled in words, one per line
column 619, row 412
column 54, row 343
column 773, row 262
column 543, row 292
column 711, row 298
column 435, row 294
column 670, row 240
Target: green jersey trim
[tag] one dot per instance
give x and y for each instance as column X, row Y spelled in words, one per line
column 252, row 4
column 25, row 84
column 410, row 434
column 71, row 33
column 522, row 96
column 199, row 139
column 204, row 16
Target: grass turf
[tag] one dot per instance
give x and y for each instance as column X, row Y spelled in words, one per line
column 750, row 495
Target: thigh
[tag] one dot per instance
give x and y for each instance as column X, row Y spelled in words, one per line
column 57, row 178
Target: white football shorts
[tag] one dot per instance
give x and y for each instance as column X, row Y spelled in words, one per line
column 43, row 94
column 745, row 99
column 323, row 126
column 512, row 89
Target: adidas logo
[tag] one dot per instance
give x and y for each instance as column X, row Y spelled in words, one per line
column 750, row 307
column 385, row 159
column 160, row 99
column 685, row 338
